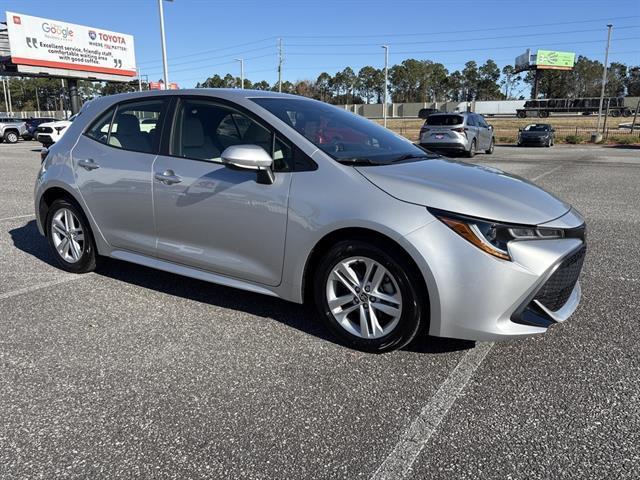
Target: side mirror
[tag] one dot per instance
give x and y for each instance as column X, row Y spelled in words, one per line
column 251, row 157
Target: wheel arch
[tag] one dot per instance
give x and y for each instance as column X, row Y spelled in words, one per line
column 362, row 234
column 49, row 196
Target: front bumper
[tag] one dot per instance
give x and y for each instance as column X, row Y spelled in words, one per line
column 444, row 146
column 533, row 141
column 45, row 139
column 476, row 296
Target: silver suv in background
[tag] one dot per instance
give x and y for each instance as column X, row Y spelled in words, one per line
column 457, row 132
column 11, row 129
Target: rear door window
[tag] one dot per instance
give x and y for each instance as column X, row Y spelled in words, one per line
column 445, row 120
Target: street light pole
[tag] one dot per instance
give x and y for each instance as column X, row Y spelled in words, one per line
column 279, row 65
column 241, row 60
column 604, row 76
column 386, row 82
column 164, row 46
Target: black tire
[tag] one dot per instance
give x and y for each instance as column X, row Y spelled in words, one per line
column 472, row 149
column 521, row 114
column 626, row 113
column 544, row 114
column 413, row 317
column 89, row 259
column 491, row 147
column 11, row 137
column 615, row 113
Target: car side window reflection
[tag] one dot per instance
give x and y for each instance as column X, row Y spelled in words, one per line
column 203, row 130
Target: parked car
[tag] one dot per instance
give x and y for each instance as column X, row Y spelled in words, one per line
column 11, row 129
column 49, row 133
column 465, row 132
column 31, row 125
column 389, row 242
column 540, row 134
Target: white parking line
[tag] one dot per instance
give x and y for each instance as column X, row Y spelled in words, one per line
column 38, row 286
column 413, row 440
column 415, row 437
column 17, row 217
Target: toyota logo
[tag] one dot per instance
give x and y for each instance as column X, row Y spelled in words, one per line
column 92, row 35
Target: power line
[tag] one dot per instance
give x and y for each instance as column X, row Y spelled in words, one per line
column 203, row 52
column 513, row 27
column 455, row 40
column 413, row 52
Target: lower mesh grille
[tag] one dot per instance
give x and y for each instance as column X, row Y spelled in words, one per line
column 557, row 290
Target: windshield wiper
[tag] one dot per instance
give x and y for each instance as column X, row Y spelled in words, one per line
column 356, row 161
column 410, row 156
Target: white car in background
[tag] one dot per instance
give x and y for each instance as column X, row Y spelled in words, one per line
column 49, row 133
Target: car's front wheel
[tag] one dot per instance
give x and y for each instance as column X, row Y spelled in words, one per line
column 70, row 238
column 368, row 297
column 11, row 137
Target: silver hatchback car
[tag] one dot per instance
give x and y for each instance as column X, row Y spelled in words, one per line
column 294, row 198
column 466, row 132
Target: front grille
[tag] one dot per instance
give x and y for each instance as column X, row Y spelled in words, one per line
column 45, row 130
column 557, row 290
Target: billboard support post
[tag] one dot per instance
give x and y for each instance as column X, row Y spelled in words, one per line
column 4, row 90
column 74, row 98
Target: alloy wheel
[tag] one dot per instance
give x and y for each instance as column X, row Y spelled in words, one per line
column 67, row 235
column 364, row 297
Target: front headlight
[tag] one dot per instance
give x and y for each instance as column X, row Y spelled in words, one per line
column 493, row 237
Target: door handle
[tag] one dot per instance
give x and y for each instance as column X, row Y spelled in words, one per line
column 88, row 164
column 168, row 177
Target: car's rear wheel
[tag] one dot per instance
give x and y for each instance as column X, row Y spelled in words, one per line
column 491, row 147
column 11, row 137
column 70, row 237
column 368, row 297
column 472, row 149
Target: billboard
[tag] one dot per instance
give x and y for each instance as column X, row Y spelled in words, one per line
column 66, row 49
column 523, row 61
column 555, row 60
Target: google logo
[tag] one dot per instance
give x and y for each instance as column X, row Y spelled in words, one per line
column 57, row 30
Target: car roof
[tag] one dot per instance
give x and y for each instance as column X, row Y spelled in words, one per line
column 228, row 93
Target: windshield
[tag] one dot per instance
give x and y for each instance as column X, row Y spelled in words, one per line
column 346, row 137
column 536, row 128
column 445, row 120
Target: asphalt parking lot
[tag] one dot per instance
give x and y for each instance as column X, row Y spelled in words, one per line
column 134, row 373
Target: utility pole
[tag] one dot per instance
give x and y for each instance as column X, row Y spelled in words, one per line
column 598, row 136
column 139, row 80
column 4, row 90
column 386, row 83
column 165, row 68
column 280, row 65
column 37, row 100
column 64, row 113
column 241, row 60
column 6, row 87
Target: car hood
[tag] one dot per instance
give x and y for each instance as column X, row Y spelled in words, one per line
column 61, row 123
column 467, row 189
